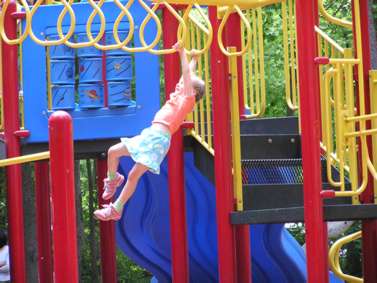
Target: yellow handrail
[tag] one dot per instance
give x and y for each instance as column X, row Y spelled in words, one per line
column 236, row 133
column 334, row 257
column 331, row 18
column 25, row 158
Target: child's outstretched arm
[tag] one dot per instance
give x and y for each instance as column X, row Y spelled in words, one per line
column 186, row 71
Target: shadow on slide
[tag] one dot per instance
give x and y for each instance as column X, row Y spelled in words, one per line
column 143, row 233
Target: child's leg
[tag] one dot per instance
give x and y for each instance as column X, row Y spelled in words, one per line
column 114, row 153
column 129, row 188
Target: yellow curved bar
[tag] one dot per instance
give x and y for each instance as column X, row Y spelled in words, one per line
column 63, row 39
column 151, row 14
column 25, row 159
column 334, row 257
column 96, row 11
column 27, row 21
column 331, row 18
column 208, row 31
column 221, row 28
column 181, row 36
column 131, row 30
column 92, row 41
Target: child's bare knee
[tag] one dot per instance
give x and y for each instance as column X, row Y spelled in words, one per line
column 112, row 151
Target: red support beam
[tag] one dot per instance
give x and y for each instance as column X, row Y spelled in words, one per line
column 176, row 179
column 223, row 160
column 64, row 230
column 316, row 230
column 42, row 201
column 369, row 227
column 234, row 39
column 11, row 125
column 107, row 232
column 242, row 231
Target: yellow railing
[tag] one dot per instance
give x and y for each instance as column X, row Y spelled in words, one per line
column 290, row 53
column 202, row 116
column 344, row 119
column 335, row 261
column 254, row 86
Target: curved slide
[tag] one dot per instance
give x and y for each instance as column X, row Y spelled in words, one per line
column 143, row 233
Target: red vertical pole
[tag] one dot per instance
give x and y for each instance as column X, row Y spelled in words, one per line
column 42, row 200
column 234, row 39
column 12, row 124
column 64, row 231
column 107, row 232
column 316, row 231
column 242, row 231
column 178, row 228
column 369, row 227
column 223, row 160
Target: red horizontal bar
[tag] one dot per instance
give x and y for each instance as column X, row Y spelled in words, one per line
column 328, row 194
column 22, row 133
column 322, row 60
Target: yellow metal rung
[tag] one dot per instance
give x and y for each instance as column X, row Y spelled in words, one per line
column 25, row 158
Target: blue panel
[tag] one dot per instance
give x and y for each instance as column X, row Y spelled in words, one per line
column 128, row 118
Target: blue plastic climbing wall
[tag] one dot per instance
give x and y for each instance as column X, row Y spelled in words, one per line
column 94, row 86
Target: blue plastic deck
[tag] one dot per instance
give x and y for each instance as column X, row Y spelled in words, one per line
column 89, row 124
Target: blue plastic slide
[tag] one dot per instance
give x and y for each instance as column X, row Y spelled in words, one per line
column 143, row 233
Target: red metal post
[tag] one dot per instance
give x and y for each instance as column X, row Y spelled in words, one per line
column 178, row 228
column 223, row 160
column 234, row 39
column 316, row 230
column 369, row 227
column 242, row 231
column 42, row 201
column 107, row 232
column 11, row 125
column 64, row 231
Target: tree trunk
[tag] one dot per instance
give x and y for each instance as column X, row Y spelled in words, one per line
column 31, row 248
column 79, row 218
column 92, row 227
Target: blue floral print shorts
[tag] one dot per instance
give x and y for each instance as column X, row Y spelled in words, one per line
column 149, row 148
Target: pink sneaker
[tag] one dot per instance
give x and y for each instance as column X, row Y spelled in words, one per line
column 108, row 212
column 111, row 186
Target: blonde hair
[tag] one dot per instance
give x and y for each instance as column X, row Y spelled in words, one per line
column 199, row 87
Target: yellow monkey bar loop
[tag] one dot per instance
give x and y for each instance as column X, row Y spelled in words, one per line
column 334, row 257
column 67, row 37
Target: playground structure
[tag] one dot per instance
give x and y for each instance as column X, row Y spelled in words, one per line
column 257, row 165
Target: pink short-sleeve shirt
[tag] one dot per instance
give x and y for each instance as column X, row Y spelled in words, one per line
column 174, row 111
